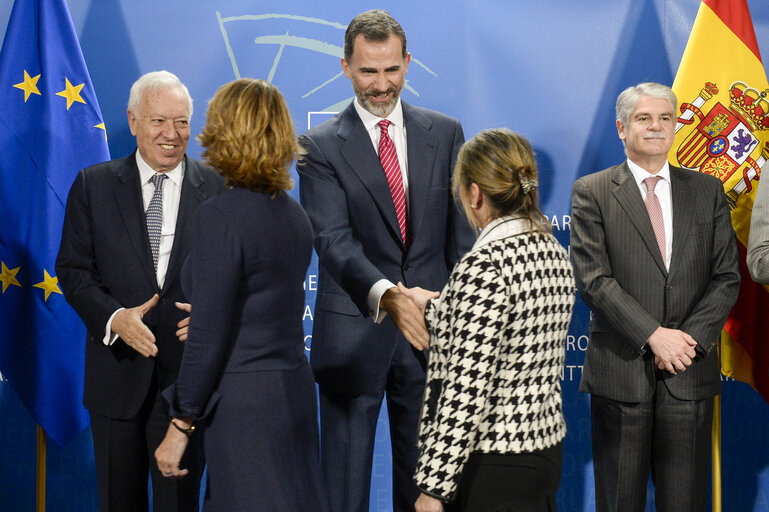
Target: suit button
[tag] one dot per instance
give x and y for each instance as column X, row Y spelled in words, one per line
column 668, row 287
column 405, row 267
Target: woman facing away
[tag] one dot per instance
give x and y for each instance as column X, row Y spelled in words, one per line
column 492, row 426
column 244, row 377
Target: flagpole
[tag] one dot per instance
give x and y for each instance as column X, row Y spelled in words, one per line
column 40, row 469
column 716, row 445
column 716, row 440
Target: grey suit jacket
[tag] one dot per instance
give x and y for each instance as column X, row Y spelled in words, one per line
column 621, row 277
column 758, row 241
column 345, row 192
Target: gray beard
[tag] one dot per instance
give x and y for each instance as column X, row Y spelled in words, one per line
column 383, row 110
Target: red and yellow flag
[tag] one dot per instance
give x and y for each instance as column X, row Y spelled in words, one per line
column 723, row 130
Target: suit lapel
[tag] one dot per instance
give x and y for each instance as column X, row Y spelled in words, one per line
column 360, row 155
column 191, row 197
column 129, row 200
column 421, row 148
column 629, row 197
column 681, row 195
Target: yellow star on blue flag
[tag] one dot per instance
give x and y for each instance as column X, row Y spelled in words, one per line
column 71, row 93
column 8, row 276
column 49, row 284
column 29, row 85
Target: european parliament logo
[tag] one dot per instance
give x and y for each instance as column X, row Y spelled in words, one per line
column 301, row 56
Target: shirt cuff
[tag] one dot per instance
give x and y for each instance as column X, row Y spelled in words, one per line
column 375, row 296
column 109, row 336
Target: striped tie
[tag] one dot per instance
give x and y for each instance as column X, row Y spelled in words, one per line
column 655, row 214
column 155, row 217
column 392, row 169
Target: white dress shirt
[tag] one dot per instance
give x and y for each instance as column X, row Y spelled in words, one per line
column 397, row 133
column 662, row 191
column 172, row 193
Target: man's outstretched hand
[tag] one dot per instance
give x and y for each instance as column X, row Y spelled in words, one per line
column 407, row 317
column 129, row 326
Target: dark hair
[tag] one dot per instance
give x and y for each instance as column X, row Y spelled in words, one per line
column 375, row 25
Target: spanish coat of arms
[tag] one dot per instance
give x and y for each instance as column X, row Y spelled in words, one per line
column 724, row 140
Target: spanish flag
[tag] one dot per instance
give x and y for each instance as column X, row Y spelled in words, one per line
column 723, row 130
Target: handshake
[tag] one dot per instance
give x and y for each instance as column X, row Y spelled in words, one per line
column 406, row 307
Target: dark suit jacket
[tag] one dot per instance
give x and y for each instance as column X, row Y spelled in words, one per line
column 345, row 192
column 105, row 263
column 621, row 276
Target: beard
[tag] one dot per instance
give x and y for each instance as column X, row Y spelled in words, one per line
column 378, row 109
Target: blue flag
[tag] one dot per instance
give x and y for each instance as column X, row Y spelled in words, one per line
column 50, row 128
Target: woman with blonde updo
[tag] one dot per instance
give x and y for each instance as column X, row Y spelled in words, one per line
column 492, row 425
column 244, row 378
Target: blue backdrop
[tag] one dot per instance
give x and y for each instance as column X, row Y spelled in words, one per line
column 550, row 70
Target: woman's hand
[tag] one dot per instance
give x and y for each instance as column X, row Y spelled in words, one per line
column 427, row 503
column 418, row 295
column 169, row 454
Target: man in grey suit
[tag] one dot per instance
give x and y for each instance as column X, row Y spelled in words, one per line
column 655, row 259
column 375, row 182
column 758, row 240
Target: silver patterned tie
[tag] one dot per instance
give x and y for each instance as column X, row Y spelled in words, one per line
column 155, row 217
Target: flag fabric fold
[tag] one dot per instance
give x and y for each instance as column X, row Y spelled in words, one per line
column 50, row 128
column 723, row 130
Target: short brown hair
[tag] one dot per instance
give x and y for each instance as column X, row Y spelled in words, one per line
column 502, row 164
column 249, row 137
column 375, row 25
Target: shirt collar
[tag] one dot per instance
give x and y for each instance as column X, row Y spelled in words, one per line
column 370, row 121
column 502, row 227
column 641, row 174
column 146, row 172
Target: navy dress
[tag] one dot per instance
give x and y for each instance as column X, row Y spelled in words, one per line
column 244, row 375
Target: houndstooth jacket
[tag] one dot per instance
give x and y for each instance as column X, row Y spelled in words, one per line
column 496, row 354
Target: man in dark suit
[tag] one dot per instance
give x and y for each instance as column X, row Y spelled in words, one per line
column 126, row 234
column 376, row 185
column 655, row 258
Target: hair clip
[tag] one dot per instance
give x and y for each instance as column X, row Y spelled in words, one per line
column 527, row 184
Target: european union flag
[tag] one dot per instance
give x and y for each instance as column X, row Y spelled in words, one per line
column 50, row 128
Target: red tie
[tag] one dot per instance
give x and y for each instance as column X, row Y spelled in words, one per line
column 655, row 214
column 389, row 159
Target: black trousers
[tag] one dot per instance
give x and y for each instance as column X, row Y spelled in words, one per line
column 669, row 437
column 521, row 482
column 124, row 451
